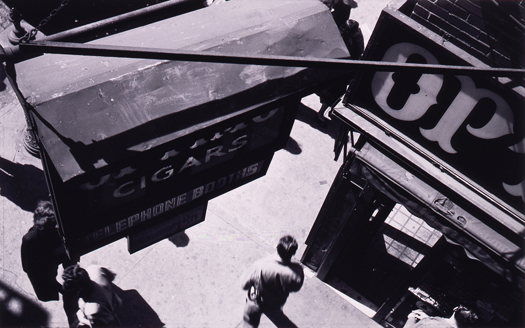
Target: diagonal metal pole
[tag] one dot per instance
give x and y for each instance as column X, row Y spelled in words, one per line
column 269, row 60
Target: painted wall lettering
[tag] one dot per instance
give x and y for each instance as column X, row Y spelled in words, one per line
column 177, row 160
column 455, row 114
column 517, row 189
column 419, row 94
column 422, row 94
column 500, row 124
column 172, row 203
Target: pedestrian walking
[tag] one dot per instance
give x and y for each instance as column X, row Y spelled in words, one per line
column 269, row 282
column 97, row 301
column 354, row 41
column 42, row 251
column 462, row 317
column 353, row 38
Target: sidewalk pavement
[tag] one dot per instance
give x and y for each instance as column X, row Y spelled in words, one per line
column 191, row 279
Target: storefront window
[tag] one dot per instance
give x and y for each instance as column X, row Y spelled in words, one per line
column 402, row 228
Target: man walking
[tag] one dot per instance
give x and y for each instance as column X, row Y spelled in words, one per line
column 42, row 251
column 97, row 301
column 269, row 282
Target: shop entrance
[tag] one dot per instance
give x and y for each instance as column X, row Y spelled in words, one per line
column 406, row 264
column 392, row 258
column 374, row 271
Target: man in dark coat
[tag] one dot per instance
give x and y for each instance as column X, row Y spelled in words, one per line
column 354, row 41
column 42, row 252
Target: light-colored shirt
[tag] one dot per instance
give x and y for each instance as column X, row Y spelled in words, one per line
column 98, row 306
column 274, row 279
column 418, row 319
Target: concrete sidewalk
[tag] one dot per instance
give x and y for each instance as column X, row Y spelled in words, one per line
column 193, row 278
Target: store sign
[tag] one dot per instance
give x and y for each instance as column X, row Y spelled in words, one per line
column 130, row 143
column 166, row 229
column 180, row 159
column 155, row 186
column 475, row 125
column 166, row 206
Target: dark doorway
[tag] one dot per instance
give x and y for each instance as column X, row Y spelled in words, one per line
column 375, row 270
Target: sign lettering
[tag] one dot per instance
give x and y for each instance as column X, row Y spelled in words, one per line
column 424, row 95
column 170, row 204
column 132, row 181
column 459, row 117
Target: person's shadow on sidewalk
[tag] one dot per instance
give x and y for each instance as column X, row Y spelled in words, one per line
column 308, row 115
column 17, row 310
column 280, row 320
column 3, row 77
column 180, row 239
column 135, row 311
column 22, row 184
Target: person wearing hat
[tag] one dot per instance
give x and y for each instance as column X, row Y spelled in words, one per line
column 354, row 41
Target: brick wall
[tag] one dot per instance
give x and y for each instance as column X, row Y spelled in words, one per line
column 492, row 31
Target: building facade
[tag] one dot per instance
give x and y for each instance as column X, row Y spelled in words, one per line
column 428, row 208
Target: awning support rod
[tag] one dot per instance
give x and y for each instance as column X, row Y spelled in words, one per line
column 269, row 60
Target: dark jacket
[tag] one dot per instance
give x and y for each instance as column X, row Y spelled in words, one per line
column 42, row 252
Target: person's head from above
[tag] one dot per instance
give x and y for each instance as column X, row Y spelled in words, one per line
column 75, row 278
column 287, row 247
column 464, row 316
column 351, row 26
column 44, row 215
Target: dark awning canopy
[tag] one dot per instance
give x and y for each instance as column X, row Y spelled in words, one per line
column 130, row 143
column 439, row 201
column 90, row 108
column 430, row 205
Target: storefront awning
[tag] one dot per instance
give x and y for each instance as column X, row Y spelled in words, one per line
column 82, row 102
column 128, row 143
column 421, row 196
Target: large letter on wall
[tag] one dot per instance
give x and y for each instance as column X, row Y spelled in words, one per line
column 417, row 103
column 500, row 124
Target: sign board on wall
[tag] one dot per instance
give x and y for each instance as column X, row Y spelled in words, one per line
column 165, row 229
column 130, row 143
column 156, row 185
column 475, row 125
